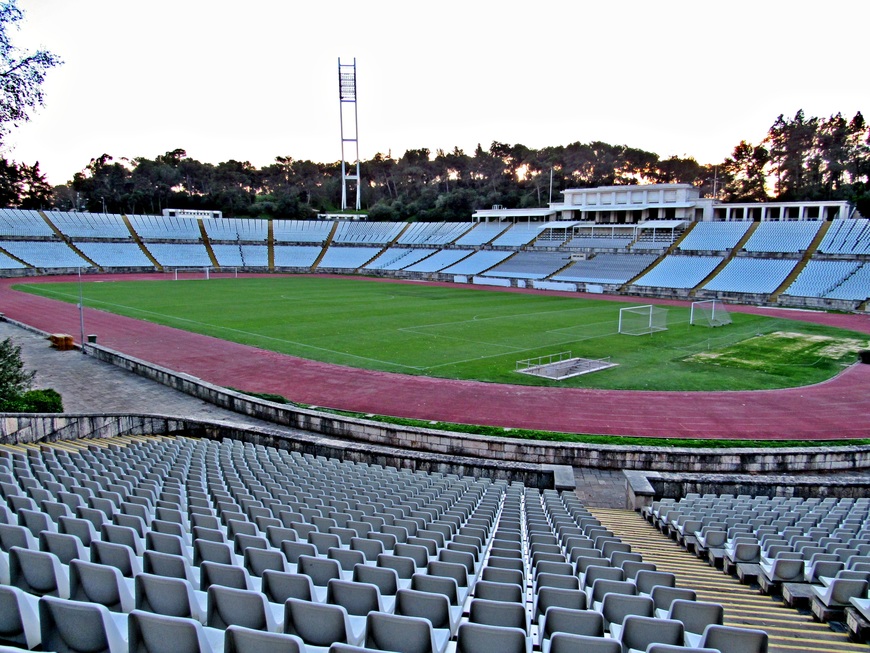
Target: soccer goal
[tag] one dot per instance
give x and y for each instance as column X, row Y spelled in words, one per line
column 642, row 320
column 709, row 313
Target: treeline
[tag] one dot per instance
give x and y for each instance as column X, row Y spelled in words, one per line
column 800, row 159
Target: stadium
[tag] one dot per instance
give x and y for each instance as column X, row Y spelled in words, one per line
column 631, row 420
column 322, row 525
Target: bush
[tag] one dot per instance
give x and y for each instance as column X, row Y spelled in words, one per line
column 41, row 401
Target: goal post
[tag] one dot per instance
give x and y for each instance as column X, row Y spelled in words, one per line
column 709, row 313
column 642, row 320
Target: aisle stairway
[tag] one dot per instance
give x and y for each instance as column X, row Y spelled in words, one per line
column 790, row 631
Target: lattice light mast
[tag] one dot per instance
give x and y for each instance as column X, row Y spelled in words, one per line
column 347, row 98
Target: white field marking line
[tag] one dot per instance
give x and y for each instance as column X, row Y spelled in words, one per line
column 521, row 351
column 246, row 333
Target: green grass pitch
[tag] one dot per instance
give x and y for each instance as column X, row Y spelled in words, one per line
column 473, row 333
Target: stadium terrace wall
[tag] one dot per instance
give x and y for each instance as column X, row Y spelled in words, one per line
column 38, row 429
column 504, row 451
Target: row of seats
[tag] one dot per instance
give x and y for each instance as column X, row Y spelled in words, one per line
column 820, row 544
column 184, row 541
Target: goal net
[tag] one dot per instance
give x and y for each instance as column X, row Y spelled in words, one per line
column 709, row 313
column 642, row 320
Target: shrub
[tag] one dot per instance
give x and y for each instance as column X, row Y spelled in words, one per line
column 41, row 401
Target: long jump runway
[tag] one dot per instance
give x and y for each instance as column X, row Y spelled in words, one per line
column 838, row 408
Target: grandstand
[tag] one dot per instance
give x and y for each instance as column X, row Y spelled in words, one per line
column 531, row 251
column 680, row 271
column 606, row 268
column 432, row 233
column 439, row 260
column 714, row 236
column 296, row 256
column 820, row 277
column 24, row 224
column 236, row 230
column 115, row 254
column 367, row 233
column 530, row 265
column 348, row 258
column 44, row 254
column 481, row 234
column 176, row 255
column 301, row 231
column 158, row 227
column 849, row 237
column 518, row 235
column 477, row 263
column 751, row 275
column 782, row 237
column 90, row 225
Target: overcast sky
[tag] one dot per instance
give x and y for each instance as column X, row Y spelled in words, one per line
column 257, row 79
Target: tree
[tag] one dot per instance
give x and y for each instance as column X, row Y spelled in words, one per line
column 21, row 72
column 745, row 173
column 14, row 381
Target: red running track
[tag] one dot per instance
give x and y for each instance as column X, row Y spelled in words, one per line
column 838, row 408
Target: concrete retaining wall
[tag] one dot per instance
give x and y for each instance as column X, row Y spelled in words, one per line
column 663, row 459
column 20, row 428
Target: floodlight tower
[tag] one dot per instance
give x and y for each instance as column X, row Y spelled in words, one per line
column 346, row 98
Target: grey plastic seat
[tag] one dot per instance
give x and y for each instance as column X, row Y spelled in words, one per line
column 602, row 586
column 246, row 640
column 386, row 580
column 81, row 528
column 293, row 550
column 166, row 564
column 279, row 586
column 639, row 632
column 65, row 547
column 321, row 571
column 548, row 597
column 664, row 596
column 116, row 555
column 77, row 627
column 568, row 643
column 346, row 558
column 214, row 573
column 594, row 572
column 481, row 638
column 499, row 613
column 19, row 617
column 434, row 607
column 399, row 633
column 257, row 560
column 318, row 624
column 15, row 535
column 357, row 598
column 838, row 593
column 209, row 551
column 101, row 584
column 457, row 572
column 173, row 597
column 729, row 639
column 122, row 535
column 616, row 607
column 167, row 543
column 565, row 620
column 695, row 617
column 497, row 575
column 492, row 591
column 36, row 521
column 38, row 573
column 324, row 541
column 156, row 633
column 671, row 648
column 404, row 567
column 647, row 580
column 228, row 606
